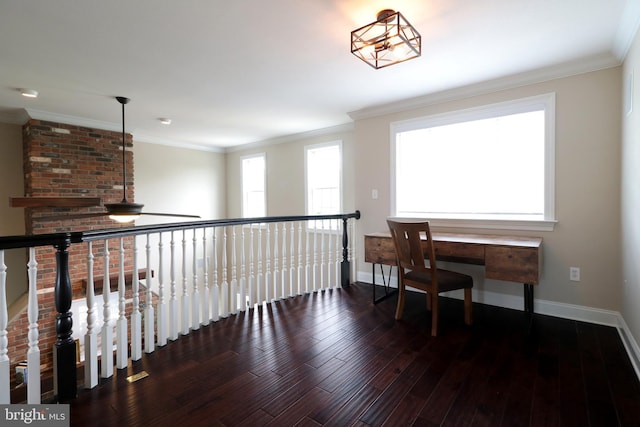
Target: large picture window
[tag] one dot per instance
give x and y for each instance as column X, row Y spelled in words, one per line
column 323, row 179
column 489, row 163
column 253, row 186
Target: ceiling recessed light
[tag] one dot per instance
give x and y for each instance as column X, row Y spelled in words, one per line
column 165, row 121
column 29, row 93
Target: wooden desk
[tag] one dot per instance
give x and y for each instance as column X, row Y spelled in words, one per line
column 510, row 258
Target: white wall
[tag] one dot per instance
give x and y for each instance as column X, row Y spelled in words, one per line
column 630, row 193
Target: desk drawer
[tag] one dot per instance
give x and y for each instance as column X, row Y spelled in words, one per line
column 379, row 250
column 467, row 253
column 513, row 264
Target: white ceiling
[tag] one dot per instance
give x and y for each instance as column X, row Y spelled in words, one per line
column 243, row 71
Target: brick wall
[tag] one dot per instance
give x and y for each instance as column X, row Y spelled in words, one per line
column 70, row 161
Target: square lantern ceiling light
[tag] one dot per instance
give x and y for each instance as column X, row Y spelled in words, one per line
column 389, row 40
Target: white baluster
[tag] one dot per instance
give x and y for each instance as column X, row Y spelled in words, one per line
column 195, row 296
column 185, row 289
column 5, row 363
column 330, row 281
column 300, row 270
column 322, row 256
column 136, row 315
column 173, row 301
column 243, row 280
column 162, row 303
column 234, row 281
column 336, row 253
column 215, row 289
column 351, row 225
column 267, row 275
column 33, row 354
column 292, row 263
column 206, row 303
column 260, row 287
column 122, row 347
column 149, row 312
column 307, row 264
column 91, row 337
column 315, row 256
column 284, row 280
column 224, row 289
column 276, row 270
column 106, row 335
column 252, row 278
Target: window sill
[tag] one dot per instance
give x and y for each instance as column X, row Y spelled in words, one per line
column 490, row 224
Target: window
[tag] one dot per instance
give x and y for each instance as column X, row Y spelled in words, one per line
column 324, row 180
column 253, row 186
column 489, row 163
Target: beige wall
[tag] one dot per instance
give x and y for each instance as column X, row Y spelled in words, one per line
column 175, row 180
column 587, row 186
column 12, row 219
column 285, row 174
column 11, row 179
column 630, row 232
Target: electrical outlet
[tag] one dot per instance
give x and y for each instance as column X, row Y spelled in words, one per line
column 374, row 194
column 574, row 274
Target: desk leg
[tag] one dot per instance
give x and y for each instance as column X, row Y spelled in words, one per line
column 386, row 283
column 528, row 298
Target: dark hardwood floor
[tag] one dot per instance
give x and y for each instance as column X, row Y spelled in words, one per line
column 334, row 358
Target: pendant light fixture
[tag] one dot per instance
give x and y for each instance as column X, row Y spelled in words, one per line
column 125, row 211
column 389, row 40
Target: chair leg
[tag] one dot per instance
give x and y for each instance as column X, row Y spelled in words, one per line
column 468, row 313
column 429, row 301
column 400, row 306
column 434, row 314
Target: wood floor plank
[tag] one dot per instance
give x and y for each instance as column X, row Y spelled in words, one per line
column 600, row 402
column 334, row 358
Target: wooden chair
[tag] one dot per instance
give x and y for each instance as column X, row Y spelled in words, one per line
column 414, row 246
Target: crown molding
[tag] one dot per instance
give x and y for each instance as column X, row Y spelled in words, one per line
column 150, row 139
column 567, row 69
column 116, row 127
column 627, row 29
column 345, row 127
column 72, row 120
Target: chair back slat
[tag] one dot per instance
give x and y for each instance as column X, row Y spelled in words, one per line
column 413, row 244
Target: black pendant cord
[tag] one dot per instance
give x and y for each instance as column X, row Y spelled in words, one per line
column 122, row 100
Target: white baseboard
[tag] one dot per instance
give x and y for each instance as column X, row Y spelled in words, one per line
column 630, row 344
column 549, row 308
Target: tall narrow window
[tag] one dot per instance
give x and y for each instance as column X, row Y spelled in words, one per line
column 489, row 163
column 253, row 186
column 324, row 179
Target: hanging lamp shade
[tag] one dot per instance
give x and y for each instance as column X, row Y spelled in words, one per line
column 389, row 40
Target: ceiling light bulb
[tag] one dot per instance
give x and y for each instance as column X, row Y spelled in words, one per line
column 123, row 219
column 29, row 93
column 165, row 121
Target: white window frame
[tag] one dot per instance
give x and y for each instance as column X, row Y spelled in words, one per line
column 242, row 192
column 338, row 143
column 546, row 102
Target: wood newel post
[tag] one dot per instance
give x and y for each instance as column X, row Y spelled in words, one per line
column 345, row 265
column 65, row 382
